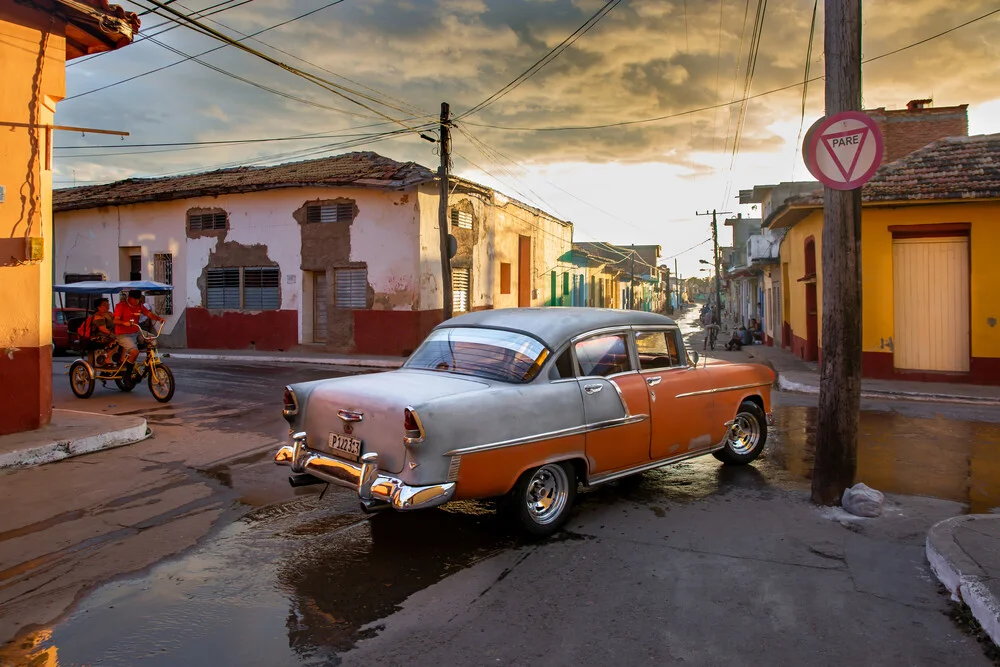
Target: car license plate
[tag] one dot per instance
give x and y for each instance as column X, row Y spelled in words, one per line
column 344, row 445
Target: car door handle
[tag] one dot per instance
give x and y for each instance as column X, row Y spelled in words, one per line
column 653, row 381
column 592, row 388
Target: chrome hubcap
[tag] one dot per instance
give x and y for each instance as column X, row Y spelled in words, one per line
column 547, row 493
column 744, row 434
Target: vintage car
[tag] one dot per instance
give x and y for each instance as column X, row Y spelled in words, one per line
column 523, row 405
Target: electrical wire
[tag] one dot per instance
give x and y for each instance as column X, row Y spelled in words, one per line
column 679, row 114
column 684, row 252
column 805, row 85
column 546, row 59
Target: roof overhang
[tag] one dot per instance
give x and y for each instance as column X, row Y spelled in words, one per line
column 94, row 26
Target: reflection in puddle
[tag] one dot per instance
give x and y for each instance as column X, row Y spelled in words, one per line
column 953, row 460
column 279, row 587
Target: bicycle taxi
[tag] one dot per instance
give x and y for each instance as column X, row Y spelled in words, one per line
column 105, row 360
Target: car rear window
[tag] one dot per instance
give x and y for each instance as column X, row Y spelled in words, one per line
column 491, row 354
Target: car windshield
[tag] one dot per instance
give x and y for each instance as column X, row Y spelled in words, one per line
column 491, row 354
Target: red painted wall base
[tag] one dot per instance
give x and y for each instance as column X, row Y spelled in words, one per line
column 25, row 389
column 392, row 332
column 231, row 330
column 880, row 365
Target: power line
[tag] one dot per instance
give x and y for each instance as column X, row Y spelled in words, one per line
column 202, row 13
column 546, row 59
column 571, row 128
column 684, row 252
column 805, row 85
column 323, row 83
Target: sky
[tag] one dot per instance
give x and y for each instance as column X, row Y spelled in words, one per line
column 642, row 182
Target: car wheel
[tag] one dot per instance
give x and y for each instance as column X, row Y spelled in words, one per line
column 541, row 500
column 746, row 437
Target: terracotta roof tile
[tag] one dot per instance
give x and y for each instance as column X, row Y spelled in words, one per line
column 365, row 169
column 117, row 11
column 949, row 168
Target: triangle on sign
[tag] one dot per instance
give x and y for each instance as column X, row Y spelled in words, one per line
column 845, row 148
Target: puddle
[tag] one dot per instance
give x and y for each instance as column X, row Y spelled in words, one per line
column 283, row 586
column 941, row 458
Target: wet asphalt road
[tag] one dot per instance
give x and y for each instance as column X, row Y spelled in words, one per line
column 296, row 579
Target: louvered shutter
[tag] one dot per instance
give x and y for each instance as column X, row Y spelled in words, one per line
column 261, row 288
column 200, row 222
column 342, row 212
column 351, row 287
column 461, row 219
column 460, row 290
column 222, row 288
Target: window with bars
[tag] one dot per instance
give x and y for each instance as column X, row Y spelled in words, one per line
column 163, row 272
column 461, row 219
column 323, row 213
column 246, row 288
column 460, row 290
column 350, row 288
column 204, row 222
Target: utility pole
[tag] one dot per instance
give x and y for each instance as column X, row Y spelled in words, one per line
column 835, row 463
column 715, row 261
column 631, row 283
column 445, row 148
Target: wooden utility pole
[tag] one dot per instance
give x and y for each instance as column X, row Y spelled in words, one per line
column 840, row 377
column 443, row 173
column 631, row 283
column 716, row 261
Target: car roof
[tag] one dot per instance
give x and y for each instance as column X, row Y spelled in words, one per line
column 556, row 325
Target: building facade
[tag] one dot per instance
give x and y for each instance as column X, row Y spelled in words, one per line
column 36, row 40
column 341, row 254
column 929, row 233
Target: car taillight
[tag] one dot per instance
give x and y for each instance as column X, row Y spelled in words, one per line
column 290, row 405
column 411, row 426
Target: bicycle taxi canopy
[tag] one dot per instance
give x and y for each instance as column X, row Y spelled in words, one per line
column 97, row 287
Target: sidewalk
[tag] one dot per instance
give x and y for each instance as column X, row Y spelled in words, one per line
column 290, row 357
column 70, row 433
column 964, row 553
column 797, row 375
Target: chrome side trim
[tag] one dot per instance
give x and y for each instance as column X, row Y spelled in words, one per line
column 453, row 468
column 608, row 477
column 722, row 389
column 561, row 433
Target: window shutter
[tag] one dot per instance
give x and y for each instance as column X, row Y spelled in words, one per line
column 351, row 287
column 222, row 288
column 201, row 222
column 261, row 289
column 461, row 219
column 460, row 290
column 342, row 212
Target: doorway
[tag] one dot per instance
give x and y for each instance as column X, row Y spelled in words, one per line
column 320, row 293
column 811, row 351
column 523, row 271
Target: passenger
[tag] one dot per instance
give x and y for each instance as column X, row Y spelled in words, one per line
column 100, row 327
column 127, row 314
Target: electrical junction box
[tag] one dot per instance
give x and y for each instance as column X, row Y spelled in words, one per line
column 34, row 249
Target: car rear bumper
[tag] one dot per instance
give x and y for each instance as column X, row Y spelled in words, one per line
column 373, row 487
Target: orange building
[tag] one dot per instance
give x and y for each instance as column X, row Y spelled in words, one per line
column 36, row 40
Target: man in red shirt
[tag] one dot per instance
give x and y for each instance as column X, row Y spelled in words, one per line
column 127, row 314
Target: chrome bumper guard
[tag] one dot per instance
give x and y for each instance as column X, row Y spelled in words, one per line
column 373, row 488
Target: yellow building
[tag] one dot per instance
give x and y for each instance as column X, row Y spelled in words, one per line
column 36, row 40
column 930, row 233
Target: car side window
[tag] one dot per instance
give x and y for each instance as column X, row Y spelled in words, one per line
column 603, row 355
column 654, row 349
column 676, row 347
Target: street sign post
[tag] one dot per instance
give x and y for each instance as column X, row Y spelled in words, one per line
column 844, row 150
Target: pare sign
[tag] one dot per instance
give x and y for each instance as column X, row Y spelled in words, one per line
column 844, row 150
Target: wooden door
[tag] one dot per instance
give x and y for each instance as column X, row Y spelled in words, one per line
column 320, row 295
column 812, row 323
column 523, row 271
column 930, row 278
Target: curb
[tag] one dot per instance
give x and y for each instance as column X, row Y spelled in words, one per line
column 64, row 449
column 364, row 363
column 961, row 575
column 798, row 387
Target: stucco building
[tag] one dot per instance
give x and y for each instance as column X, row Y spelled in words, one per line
column 36, row 40
column 339, row 253
column 930, row 229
